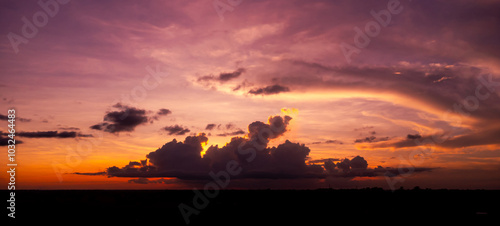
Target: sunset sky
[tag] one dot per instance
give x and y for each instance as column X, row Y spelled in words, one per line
column 411, row 87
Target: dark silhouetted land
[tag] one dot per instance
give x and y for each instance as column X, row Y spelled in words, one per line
column 259, row 207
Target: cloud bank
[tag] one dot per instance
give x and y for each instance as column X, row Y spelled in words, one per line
column 183, row 159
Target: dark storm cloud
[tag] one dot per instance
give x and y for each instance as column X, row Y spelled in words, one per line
column 261, row 133
column 288, row 160
column 358, row 162
column 126, row 118
column 222, row 77
column 181, row 156
column 183, row 159
column 173, row 159
column 269, row 90
column 176, row 130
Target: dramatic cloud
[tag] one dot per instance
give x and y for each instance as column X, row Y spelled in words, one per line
column 261, row 133
column 433, row 68
column 358, row 163
column 468, row 99
column 184, row 160
column 174, row 159
column 180, row 156
column 269, row 90
column 176, row 130
column 126, row 119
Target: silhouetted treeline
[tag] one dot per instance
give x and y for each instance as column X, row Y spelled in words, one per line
column 262, row 207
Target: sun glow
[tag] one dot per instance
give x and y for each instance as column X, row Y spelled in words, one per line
column 205, row 147
column 290, row 111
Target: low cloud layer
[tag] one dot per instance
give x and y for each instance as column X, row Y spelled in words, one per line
column 183, row 160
